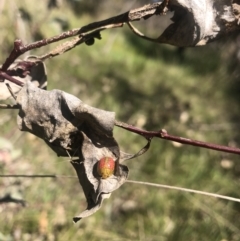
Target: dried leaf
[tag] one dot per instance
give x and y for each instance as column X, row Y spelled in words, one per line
column 66, row 123
column 197, row 22
column 60, row 119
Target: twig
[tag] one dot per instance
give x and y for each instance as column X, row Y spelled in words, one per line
column 164, row 135
column 133, row 15
column 68, row 45
column 144, row 12
column 10, row 90
column 140, row 34
column 85, row 33
column 4, row 75
column 162, row 9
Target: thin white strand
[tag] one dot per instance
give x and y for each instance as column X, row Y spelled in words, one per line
column 185, row 190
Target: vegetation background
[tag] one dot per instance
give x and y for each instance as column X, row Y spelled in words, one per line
column 192, row 92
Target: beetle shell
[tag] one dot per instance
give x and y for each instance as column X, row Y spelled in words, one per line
column 105, row 167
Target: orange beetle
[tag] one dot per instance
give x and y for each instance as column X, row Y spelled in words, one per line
column 105, row 167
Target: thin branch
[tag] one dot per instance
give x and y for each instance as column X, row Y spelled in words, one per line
column 68, row 45
column 162, row 9
column 133, row 15
column 16, row 52
column 85, row 33
column 10, row 91
column 140, row 34
column 144, row 12
column 164, row 135
column 10, row 78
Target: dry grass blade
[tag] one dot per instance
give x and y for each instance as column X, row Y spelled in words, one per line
column 185, row 190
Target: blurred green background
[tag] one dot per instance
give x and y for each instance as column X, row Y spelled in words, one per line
column 192, row 92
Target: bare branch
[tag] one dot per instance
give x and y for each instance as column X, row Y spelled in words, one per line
column 10, row 78
column 140, row 34
column 83, row 38
column 10, row 90
column 164, row 135
column 117, row 21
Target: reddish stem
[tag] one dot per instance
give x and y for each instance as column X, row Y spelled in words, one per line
column 20, row 49
column 16, row 52
column 164, row 135
column 10, row 78
column 133, row 15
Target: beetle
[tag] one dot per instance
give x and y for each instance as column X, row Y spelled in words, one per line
column 105, row 167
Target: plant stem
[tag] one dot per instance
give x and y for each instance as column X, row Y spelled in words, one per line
column 4, row 75
column 143, row 12
column 164, row 135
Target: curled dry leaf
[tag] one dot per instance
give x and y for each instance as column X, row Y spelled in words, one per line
column 64, row 122
column 198, row 22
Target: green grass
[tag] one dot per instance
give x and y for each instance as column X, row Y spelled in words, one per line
column 151, row 86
